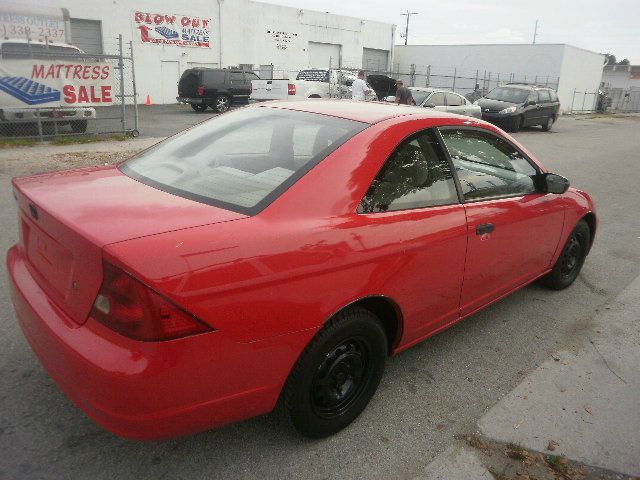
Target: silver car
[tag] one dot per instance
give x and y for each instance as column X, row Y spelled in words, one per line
column 445, row 101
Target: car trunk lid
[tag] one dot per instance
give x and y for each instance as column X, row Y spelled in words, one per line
column 67, row 218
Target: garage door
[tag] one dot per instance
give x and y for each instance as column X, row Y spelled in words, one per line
column 87, row 35
column 170, row 74
column 374, row 60
column 324, row 55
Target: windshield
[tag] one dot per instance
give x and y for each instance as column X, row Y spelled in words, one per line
column 419, row 96
column 241, row 160
column 506, row 94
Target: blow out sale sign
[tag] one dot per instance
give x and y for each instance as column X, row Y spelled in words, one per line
column 34, row 83
column 172, row 29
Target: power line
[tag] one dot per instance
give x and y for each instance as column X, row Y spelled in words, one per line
column 406, row 28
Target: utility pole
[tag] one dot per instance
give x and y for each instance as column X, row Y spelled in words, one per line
column 406, row 28
column 535, row 32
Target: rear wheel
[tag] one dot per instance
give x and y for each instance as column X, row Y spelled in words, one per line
column 199, row 107
column 568, row 265
column 221, row 103
column 337, row 374
column 79, row 126
column 548, row 124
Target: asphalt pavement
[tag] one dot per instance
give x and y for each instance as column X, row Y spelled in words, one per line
column 430, row 395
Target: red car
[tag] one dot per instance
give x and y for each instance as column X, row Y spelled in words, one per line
column 279, row 253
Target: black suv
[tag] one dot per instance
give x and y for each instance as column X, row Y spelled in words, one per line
column 514, row 106
column 214, row 87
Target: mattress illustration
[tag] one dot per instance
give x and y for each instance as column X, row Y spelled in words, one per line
column 28, row 91
column 167, row 33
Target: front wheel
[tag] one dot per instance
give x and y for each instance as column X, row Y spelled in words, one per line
column 548, row 124
column 221, row 103
column 337, row 374
column 199, row 107
column 568, row 265
column 516, row 124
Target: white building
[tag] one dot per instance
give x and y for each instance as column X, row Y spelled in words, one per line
column 622, row 83
column 561, row 66
column 222, row 33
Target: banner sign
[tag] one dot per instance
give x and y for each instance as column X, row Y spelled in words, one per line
column 171, row 29
column 41, row 83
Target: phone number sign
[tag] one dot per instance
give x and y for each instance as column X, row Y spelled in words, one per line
column 33, row 27
column 171, row 29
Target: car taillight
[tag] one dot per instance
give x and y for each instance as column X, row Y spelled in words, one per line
column 201, row 90
column 291, row 90
column 129, row 307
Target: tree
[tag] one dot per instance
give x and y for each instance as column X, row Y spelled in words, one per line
column 610, row 59
column 624, row 62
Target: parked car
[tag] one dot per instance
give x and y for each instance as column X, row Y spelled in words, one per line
column 26, row 89
column 445, row 101
column 311, row 83
column 239, row 265
column 515, row 105
column 214, row 87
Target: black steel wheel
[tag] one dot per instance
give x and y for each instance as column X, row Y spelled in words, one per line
column 569, row 264
column 548, row 124
column 337, row 374
column 516, row 124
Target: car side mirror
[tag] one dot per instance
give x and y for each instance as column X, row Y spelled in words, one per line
column 430, row 105
column 552, row 183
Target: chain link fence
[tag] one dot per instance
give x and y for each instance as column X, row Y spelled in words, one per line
column 624, row 100
column 51, row 90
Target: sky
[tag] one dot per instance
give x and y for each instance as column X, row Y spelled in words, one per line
column 611, row 26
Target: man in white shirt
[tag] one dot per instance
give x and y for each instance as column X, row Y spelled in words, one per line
column 359, row 89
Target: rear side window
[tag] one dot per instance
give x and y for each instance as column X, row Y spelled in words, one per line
column 241, row 160
column 554, row 97
column 436, row 99
column 454, row 100
column 212, row 77
column 487, row 166
column 416, row 175
column 544, row 96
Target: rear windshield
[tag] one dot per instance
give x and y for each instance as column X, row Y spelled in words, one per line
column 242, row 160
column 506, row 94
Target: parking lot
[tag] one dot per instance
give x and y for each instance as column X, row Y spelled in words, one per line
column 430, row 396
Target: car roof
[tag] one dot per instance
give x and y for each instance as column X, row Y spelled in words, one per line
column 367, row 112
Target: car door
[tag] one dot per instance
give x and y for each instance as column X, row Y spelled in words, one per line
column 546, row 107
column 455, row 103
column 513, row 229
column 413, row 208
column 436, row 101
column 531, row 111
column 238, row 85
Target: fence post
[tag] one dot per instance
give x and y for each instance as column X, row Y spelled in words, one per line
column 455, row 74
column 39, row 121
column 535, row 80
column 573, row 99
column 511, row 77
column 489, row 81
column 412, row 75
column 584, row 97
column 474, row 85
column 135, row 91
column 484, row 82
column 498, row 80
column 121, row 67
column 428, row 76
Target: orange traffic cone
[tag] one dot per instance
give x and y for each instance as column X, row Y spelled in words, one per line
column 148, row 102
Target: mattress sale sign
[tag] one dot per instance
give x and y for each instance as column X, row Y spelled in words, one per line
column 171, row 29
column 33, row 83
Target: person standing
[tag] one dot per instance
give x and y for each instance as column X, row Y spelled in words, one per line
column 403, row 94
column 359, row 88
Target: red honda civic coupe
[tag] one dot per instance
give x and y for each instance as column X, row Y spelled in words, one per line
column 279, row 253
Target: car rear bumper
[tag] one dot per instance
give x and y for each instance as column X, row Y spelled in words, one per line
column 150, row 390
column 194, row 100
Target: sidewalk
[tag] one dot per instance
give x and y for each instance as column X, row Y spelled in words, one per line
column 585, row 404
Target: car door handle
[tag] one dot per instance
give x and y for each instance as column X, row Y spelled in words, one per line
column 485, row 228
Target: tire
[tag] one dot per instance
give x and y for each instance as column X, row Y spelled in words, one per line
column 549, row 123
column 199, row 107
column 337, row 374
column 221, row 103
column 516, row 124
column 79, row 126
column 570, row 261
